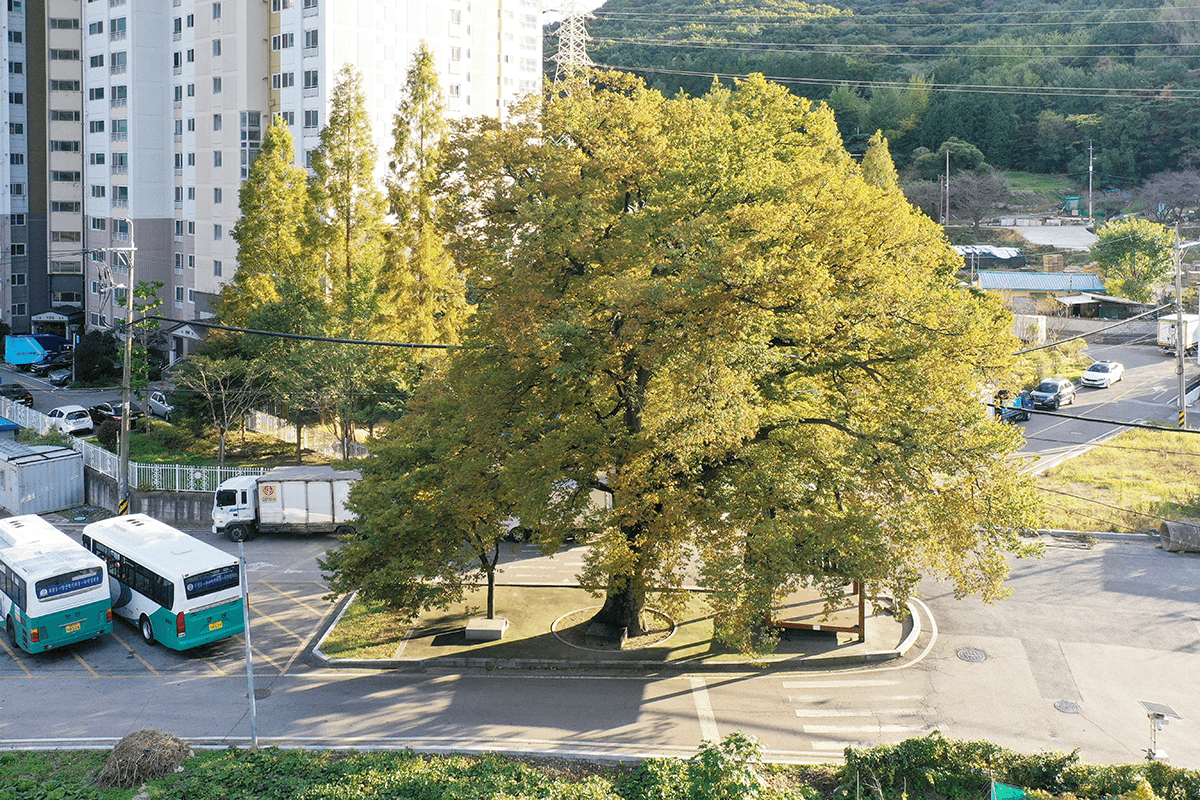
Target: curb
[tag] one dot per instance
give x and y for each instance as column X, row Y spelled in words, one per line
column 913, row 626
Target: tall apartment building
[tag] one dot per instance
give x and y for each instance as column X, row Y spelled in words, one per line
column 169, row 104
column 43, row 202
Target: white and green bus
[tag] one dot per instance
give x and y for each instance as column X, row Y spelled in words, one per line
column 175, row 588
column 52, row 591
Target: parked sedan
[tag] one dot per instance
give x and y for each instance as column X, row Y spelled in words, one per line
column 60, row 377
column 71, row 419
column 1103, row 374
column 105, row 411
column 17, row 393
column 49, row 364
column 1052, row 393
column 159, row 406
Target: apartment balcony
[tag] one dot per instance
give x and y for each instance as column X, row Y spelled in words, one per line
column 120, row 169
column 116, row 36
column 120, row 136
column 119, row 102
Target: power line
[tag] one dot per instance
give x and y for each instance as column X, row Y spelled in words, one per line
column 305, row 337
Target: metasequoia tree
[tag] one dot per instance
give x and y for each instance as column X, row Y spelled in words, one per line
column 426, row 292
column 275, row 210
column 699, row 309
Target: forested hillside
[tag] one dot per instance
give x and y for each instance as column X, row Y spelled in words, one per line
column 1029, row 83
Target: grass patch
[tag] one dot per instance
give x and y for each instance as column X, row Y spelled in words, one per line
column 62, row 774
column 1127, row 484
column 366, row 630
column 1050, row 186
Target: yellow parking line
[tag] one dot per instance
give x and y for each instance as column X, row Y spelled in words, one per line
column 272, row 620
column 214, row 667
column 12, row 653
column 145, row 663
column 267, row 658
column 303, row 644
column 301, row 603
column 86, row 666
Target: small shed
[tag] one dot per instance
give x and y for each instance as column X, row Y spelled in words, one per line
column 8, row 428
column 39, row 478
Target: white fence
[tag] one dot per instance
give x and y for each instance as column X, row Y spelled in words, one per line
column 146, row 477
column 317, row 440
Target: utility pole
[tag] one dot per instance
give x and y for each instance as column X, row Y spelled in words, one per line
column 946, row 222
column 1181, row 339
column 126, row 388
column 1090, row 181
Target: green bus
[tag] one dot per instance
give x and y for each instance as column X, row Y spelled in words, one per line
column 52, row 590
column 176, row 589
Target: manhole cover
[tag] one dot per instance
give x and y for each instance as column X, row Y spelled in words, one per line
column 971, row 654
column 260, row 694
column 1067, row 707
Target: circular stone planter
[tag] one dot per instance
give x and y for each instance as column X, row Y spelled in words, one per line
column 571, row 630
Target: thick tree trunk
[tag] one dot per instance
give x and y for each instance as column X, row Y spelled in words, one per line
column 622, row 609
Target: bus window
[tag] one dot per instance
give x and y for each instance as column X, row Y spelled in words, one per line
column 212, row 581
column 69, row 583
column 227, row 497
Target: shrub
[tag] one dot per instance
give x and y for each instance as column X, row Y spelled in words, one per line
column 108, row 434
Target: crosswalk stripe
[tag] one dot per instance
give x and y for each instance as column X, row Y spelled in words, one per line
column 857, row 712
column 824, row 698
column 867, row 729
column 845, row 683
column 832, row 746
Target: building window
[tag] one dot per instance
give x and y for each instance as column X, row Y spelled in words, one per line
column 455, row 17
column 191, row 90
column 191, row 20
column 58, row 115
column 456, row 54
column 120, row 130
column 191, row 124
column 455, row 90
column 96, row 61
column 16, row 220
column 121, row 194
column 218, row 194
column 66, row 206
column 310, row 79
column 280, row 5
column 192, row 296
column 216, row 10
column 97, row 159
column 178, row 295
column 217, row 159
column 96, row 27
column 99, row 224
column 191, row 55
column 179, row 93
column 191, row 223
column 191, row 195
column 64, row 86
column 117, row 64
column 120, row 163
column 282, row 80
column 63, row 146
column 283, row 41
column 218, row 232
column 96, row 93
column 287, row 117
column 217, row 269
column 18, row 279
column 216, row 122
column 177, row 26
column 99, row 191
column 16, row 128
column 16, row 249
column 178, row 195
column 191, row 159
column 120, row 95
column 216, row 47
column 16, row 189
column 16, row 37
column 16, row 68
column 66, row 236
column 312, row 118
column 18, row 309
column 310, row 3
column 216, row 85
column 16, row 159
column 96, row 126
column 16, row 98
column 179, row 262
column 65, row 176
column 311, row 39
column 63, row 55
column 179, row 230
column 116, row 29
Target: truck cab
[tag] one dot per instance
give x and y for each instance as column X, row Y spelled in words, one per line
column 235, row 508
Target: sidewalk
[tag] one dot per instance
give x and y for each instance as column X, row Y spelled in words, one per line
column 544, row 632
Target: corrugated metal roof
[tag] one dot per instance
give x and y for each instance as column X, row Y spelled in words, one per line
column 1040, row 281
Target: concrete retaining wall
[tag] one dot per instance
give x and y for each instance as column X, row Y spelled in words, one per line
column 192, row 509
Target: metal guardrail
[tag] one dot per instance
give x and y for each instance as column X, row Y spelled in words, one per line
column 316, row 440
column 146, row 477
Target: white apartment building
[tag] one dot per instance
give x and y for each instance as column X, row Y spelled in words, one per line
column 175, row 98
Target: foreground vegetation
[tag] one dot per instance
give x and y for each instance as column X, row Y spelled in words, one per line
column 930, row 767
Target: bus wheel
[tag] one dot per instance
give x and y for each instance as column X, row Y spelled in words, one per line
column 239, row 533
column 344, row 531
column 147, row 629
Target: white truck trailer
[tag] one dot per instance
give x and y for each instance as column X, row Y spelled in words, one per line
column 1166, row 332
column 285, row 500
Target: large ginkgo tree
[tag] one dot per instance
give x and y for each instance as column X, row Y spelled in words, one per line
column 705, row 343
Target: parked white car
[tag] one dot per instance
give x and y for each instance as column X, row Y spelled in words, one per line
column 1103, row 374
column 71, row 419
column 158, row 405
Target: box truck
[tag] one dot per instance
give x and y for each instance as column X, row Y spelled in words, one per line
column 285, row 500
column 1166, row 332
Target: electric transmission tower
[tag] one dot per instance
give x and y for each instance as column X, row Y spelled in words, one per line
column 572, row 41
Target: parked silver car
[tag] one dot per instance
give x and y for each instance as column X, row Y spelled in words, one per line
column 159, row 405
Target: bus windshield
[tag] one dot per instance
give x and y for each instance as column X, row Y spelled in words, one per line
column 212, row 581
column 227, row 497
column 69, row 583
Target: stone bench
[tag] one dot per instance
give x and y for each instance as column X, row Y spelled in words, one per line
column 486, row 630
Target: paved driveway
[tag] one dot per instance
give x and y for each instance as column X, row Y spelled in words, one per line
column 1065, row 237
